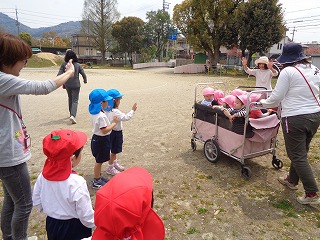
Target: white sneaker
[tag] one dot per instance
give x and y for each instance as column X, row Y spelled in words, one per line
column 72, row 120
column 285, row 182
column 309, row 200
column 33, row 238
column 118, row 166
column 112, row 170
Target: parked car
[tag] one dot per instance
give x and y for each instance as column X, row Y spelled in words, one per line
column 36, row 50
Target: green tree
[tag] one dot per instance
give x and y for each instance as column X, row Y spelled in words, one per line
column 208, row 24
column 128, row 34
column 58, row 42
column 97, row 20
column 47, row 39
column 67, row 41
column 156, row 31
column 260, row 25
column 26, row 37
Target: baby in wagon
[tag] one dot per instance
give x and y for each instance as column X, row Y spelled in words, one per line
column 208, row 95
column 226, row 102
column 236, row 115
column 257, row 113
column 238, row 110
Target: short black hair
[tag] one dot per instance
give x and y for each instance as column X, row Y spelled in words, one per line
column 77, row 153
column 70, row 55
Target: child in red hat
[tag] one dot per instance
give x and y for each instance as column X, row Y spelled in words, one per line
column 123, row 208
column 61, row 193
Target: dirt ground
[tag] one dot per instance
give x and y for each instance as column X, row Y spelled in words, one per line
column 195, row 198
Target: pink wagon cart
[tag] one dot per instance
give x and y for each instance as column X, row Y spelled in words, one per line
column 213, row 129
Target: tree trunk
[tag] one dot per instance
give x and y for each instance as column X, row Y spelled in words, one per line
column 103, row 60
column 216, row 55
column 249, row 58
column 210, row 55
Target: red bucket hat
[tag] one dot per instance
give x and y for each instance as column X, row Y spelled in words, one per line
column 59, row 146
column 123, row 208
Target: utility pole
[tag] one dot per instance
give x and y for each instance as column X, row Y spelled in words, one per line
column 165, row 6
column 294, row 30
column 17, row 21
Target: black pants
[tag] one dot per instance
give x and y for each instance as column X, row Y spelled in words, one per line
column 71, row 229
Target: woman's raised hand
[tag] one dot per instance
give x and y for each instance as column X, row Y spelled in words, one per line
column 244, row 61
column 70, row 67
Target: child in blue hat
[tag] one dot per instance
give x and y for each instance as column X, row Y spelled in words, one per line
column 102, row 126
column 116, row 136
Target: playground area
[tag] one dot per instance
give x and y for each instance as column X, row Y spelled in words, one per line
column 195, row 198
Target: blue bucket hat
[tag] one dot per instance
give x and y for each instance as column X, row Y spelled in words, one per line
column 96, row 97
column 292, row 52
column 114, row 93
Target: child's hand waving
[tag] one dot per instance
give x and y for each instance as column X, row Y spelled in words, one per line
column 134, row 107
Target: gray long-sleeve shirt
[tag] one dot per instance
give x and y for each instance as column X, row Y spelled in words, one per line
column 12, row 148
column 73, row 82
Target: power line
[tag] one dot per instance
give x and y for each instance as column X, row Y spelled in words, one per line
column 26, row 17
column 294, row 19
column 302, row 10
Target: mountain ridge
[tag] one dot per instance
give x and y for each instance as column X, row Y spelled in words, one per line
column 66, row 29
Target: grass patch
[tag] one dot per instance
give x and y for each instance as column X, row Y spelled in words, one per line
column 183, row 215
column 287, row 207
column 37, row 62
column 318, row 219
column 284, row 205
column 202, row 210
column 192, row 230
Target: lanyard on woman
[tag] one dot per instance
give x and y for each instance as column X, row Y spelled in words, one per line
column 12, row 110
column 27, row 139
column 308, row 85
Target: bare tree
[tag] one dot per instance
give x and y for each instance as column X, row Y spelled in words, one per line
column 97, row 20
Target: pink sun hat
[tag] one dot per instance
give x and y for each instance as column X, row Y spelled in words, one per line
column 208, row 91
column 243, row 98
column 218, row 94
column 236, row 92
column 254, row 97
column 229, row 99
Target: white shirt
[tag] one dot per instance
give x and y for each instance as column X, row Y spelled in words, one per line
column 263, row 77
column 64, row 199
column 122, row 117
column 293, row 92
column 205, row 102
column 99, row 121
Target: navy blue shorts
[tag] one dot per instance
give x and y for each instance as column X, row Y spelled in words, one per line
column 71, row 229
column 116, row 140
column 100, row 148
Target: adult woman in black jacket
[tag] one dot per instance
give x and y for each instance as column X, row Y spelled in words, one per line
column 73, row 84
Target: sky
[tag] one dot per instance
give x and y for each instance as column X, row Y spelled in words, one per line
column 302, row 17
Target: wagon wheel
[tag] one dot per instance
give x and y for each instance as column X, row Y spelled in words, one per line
column 246, row 172
column 193, row 145
column 277, row 163
column 211, row 151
